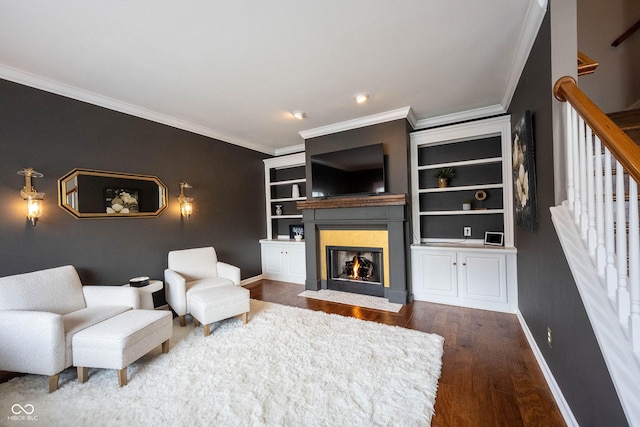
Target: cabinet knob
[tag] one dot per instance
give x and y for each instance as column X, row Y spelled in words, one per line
column 464, row 263
column 455, row 263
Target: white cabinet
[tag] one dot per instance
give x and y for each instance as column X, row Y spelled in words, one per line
column 467, row 276
column 283, row 260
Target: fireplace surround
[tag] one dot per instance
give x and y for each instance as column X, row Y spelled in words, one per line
column 358, row 222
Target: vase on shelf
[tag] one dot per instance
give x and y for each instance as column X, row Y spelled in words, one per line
column 295, row 191
column 442, row 182
column 278, row 210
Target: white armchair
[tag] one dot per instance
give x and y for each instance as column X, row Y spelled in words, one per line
column 41, row 311
column 194, row 269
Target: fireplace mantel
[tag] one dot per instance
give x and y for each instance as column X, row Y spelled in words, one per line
column 354, row 202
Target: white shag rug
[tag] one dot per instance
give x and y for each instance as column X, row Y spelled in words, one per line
column 350, row 298
column 286, row 367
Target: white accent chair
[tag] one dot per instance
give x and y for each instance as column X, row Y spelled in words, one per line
column 191, row 270
column 41, row 311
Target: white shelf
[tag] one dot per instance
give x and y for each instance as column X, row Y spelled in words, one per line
column 473, row 162
column 461, row 188
column 461, row 212
column 288, row 199
column 285, row 216
column 289, row 182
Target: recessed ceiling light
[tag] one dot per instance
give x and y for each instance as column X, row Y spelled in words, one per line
column 361, row 97
column 299, row 114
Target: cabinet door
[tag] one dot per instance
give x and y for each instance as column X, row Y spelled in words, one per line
column 296, row 265
column 436, row 274
column 483, row 277
column 272, row 259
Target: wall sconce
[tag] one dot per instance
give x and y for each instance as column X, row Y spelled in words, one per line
column 31, row 195
column 186, row 203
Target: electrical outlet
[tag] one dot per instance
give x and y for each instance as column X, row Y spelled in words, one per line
column 466, row 231
column 549, row 337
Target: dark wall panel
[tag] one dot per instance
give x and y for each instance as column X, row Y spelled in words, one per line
column 54, row 134
column 547, row 294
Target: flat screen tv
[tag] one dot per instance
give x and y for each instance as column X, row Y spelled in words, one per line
column 351, row 172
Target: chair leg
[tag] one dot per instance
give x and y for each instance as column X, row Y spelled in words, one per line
column 244, row 318
column 207, row 329
column 165, row 346
column 122, row 376
column 53, row 382
column 83, row 372
column 195, row 322
column 182, row 320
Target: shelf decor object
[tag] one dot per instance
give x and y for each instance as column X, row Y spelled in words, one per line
column 444, row 175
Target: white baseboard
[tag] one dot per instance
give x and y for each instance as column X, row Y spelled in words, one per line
column 251, row 279
column 551, row 381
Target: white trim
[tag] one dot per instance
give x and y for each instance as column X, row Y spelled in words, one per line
column 551, row 381
column 614, row 344
column 251, row 279
column 532, row 22
column 62, row 89
column 289, row 150
column 463, row 116
column 374, row 119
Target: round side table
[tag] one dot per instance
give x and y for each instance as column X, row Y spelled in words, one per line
column 146, row 297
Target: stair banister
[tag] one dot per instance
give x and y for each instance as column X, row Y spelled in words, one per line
column 624, row 149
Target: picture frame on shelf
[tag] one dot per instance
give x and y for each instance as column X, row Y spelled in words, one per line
column 296, row 230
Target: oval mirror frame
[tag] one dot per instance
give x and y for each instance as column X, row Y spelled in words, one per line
column 69, row 194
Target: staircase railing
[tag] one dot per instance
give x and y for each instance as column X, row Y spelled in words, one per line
column 603, row 171
column 600, row 156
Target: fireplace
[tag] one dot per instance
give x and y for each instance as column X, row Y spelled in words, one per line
column 368, row 225
column 355, row 269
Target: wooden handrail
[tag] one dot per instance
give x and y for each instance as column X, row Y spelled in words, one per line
column 619, row 144
column 626, row 34
column 586, row 65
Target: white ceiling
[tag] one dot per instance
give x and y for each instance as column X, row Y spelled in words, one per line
column 233, row 70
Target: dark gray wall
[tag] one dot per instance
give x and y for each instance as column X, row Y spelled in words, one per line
column 54, row 134
column 547, row 294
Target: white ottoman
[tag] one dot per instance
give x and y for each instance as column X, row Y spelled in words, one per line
column 218, row 303
column 117, row 342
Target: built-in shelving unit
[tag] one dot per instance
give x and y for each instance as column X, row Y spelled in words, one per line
column 479, row 154
column 281, row 174
column 448, row 267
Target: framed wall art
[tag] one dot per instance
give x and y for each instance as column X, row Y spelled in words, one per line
column 524, row 173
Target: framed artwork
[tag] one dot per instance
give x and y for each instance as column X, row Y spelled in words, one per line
column 524, row 173
column 296, row 229
column 121, row 200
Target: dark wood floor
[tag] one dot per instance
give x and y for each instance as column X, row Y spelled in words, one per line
column 490, row 376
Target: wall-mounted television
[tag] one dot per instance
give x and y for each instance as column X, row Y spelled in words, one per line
column 350, row 172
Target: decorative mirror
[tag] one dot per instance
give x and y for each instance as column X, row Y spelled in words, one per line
column 86, row 193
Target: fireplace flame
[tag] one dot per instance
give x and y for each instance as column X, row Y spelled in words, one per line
column 356, row 268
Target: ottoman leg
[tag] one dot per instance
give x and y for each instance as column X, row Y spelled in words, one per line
column 207, row 330
column 182, row 320
column 53, row 383
column 244, row 318
column 82, row 374
column 165, row 346
column 122, row 376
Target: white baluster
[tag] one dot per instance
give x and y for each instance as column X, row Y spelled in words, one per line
column 584, row 217
column 601, row 253
column 569, row 154
column 611, row 273
column 622, row 293
column 590, row 200
column 577, row 206
column 634, row 266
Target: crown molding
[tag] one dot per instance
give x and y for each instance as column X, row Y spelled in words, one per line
column 374, row 119
column 47, row 85
column 463, row 116
column 532, row 22
column 289, row 150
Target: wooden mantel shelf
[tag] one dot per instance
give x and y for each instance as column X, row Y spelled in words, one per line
column 354, row 202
